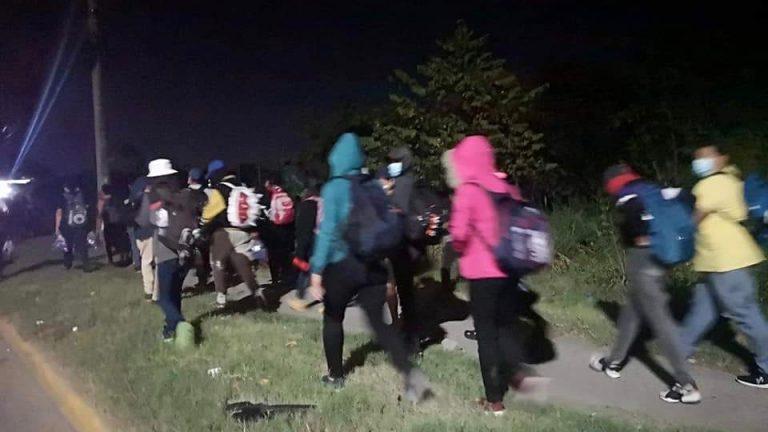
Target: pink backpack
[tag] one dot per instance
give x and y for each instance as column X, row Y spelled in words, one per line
column 281, row 211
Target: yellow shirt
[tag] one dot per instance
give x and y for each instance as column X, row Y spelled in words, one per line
column 722, row 243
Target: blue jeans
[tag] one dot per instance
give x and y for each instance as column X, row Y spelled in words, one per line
column 170, row 277
column 732, row 294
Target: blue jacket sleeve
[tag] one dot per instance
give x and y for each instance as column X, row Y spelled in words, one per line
column 328, row 233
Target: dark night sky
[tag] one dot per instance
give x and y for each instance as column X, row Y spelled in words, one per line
column 193, row 80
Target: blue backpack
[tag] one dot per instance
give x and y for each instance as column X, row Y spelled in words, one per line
column 373, row 228
column 756, row 197
column 671, row 226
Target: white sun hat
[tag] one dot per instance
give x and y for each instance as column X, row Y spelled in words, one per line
column 160, row 167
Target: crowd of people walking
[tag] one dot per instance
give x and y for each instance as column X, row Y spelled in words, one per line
column 358, row 237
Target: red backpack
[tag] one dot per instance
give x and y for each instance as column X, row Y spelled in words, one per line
column 281, row 211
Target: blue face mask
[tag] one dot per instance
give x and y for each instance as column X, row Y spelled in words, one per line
column 703, row 167
column 395, row 169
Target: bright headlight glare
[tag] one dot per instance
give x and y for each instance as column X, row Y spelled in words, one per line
column 5, row 190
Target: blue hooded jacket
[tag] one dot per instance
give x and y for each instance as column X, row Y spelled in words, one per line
column 346, row 158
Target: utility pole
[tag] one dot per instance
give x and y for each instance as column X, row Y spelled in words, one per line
column 99, row 131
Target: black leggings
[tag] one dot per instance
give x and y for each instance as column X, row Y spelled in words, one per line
column 495, row 313
column 402, row 267
column 342, row 281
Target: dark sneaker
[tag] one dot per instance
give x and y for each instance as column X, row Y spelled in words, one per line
column 148, row 298
column 168, row 337
column 333, row 383
column 599, row 363
column 687, row 394
column 417, row 387
column 757, row 379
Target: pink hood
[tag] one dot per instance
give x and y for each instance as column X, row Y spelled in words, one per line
column 474, row 223
column 474, row 163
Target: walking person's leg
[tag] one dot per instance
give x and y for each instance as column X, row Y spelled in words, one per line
column 648, row 293
column 701, row 317
column 653, row 302
column 147, row 267
column 244, row 269
column 372, row 297
column 628, row 327
column 484, row 295
column 168, row 300
column 736, row 291
column 69, row 252
column 203, row 266
column 402, row 268
column 81, row 247
column 221, row 248
column 507, row 317
column 340, row 284
column 135, row 254
column 111, row 243
column 629, row 322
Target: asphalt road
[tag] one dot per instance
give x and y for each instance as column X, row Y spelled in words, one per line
column 24, row 404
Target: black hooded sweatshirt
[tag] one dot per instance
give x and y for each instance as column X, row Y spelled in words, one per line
column 404, row 183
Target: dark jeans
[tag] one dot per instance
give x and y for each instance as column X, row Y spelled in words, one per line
column 116, row 242
column 77, row 244
column 402, row 267
column 279, row 240
column 342, row 281
column 302, row 283
column 203, row 264
column 496, row 315
column 170, row 278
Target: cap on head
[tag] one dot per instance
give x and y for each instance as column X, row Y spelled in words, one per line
column 214, row 166
column 617, row 176
column 196, row 175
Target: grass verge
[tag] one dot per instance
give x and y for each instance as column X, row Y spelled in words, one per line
column 99, row 327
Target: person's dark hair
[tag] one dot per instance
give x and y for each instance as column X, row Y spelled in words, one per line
column 722, row 146
column 72, row 183
column 273, row 179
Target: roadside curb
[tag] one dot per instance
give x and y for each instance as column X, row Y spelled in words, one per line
column 79, row 413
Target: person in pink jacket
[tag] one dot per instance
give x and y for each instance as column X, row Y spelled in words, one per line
column 474, row 230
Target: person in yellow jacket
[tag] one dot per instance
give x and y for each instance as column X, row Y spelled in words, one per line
column 228, row 244
column 725, row 255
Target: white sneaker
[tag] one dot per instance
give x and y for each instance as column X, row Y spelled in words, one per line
column 687, row 394
column 221, row 300
column 598, row 363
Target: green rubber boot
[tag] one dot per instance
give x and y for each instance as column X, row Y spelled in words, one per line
column 185, row 336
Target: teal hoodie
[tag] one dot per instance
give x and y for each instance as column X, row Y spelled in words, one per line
column 346, row 158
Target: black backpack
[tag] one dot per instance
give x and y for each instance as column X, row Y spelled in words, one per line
column 118, row 212
column 76, row 211
column 373, row 228
column 179, row 218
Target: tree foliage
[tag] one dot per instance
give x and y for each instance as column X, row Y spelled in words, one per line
column 460, row 91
